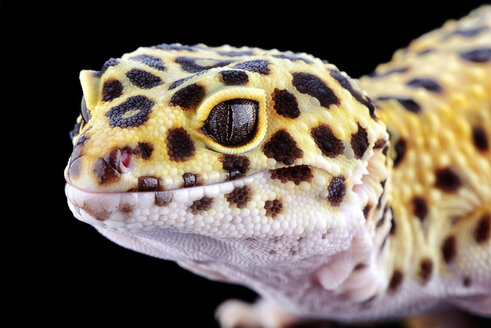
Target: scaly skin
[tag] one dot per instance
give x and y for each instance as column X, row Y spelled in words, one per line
column 276, row 171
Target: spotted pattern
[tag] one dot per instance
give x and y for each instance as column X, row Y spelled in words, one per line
column 359, row 141
column 420, row 208
column 481, row 55
column 395, row 281
column 163, row 198
column 235, row 165
column 480, row 139
column 188, row 97
column 150, row 61
column 131, row 113
column 234, row 77
column 180, row 146
column 285, row 103
column 191, row 180
column 425, row 270
column 273, row 207
column 107, row 169
column 449, row 249
column 482, row 231
column 256, row 66
column 192, row 65
column 400, row 150
column 408, row 103
column 425, row 83
column 447, row 180
column 327, row 142
column 111, row 90
column 150, row 183
column 201, row 205
column 240, row 196
column 336, row 191
column 313, row 86
column 283, row 148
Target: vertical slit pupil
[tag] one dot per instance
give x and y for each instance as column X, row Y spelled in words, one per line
column 232, row 122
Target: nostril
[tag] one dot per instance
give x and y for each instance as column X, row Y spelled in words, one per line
column 125, row 161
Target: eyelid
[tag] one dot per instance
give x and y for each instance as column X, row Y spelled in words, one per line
column 211, row 101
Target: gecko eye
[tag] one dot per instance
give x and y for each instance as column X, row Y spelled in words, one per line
column 84, row 110
column 232, row 123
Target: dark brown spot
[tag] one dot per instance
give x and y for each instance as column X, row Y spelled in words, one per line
column 327, row 141
column 285, row 103
column 479, row 138
column 425, row 83
column 111, row 90
column 366, row 210
column 420, row 209
column 483, row 229
column 188, row 97
column 150, row 61
column 203, row 204
column 379, row 144
column 256, row 66
column 359, row 266
column 107, row 169
column 481, row 55
column 191, row 180
column 98, row 212
column 408, row 103
column 192, row 65
column 180, row 147
column 234, row 77
column 336, row 190
column 273, row 207
column 240, row 196
column 425, row 270
column 313, row 86
column 447, row 180
column 466, row 281
column 395, row 281
column 359, row 142
column 235, row 165
column 297, row 174
column 149, row 183
column 449, row 249
column 163, row 198
column 143, row 79
column 131, row 113
column 143, row 149
column 400, row 150
column 283, row 148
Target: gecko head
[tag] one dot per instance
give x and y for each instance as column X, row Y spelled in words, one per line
column 224, row 144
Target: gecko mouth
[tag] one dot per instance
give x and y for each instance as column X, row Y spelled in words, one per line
column 146, row 209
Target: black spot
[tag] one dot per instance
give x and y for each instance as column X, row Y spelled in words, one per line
column 256, row 66
column 234, row 53
column 408, row 103
column 400, row 150
column 149, row 183
column 336, row 190
column 163, row 198
column 234, row 77
column 138, row 106
column 479, row 138
column 345, row 83
column 240, row 196
column 110, row 62
column 366, row 210
column 466, row 281
column 191, row 180
column 293, row 58
column 398, row 70
column 482, row 231
column 273, row 207
column 107, row 169
column 297, row 174
column 447, row 180
column 235, row 165
column 359, row 141
column 143, row 79
column 188, row 97
column 143, row 149
column 467, row 33
column 480, row 55
column 175, row 46
column 449, row 249
column 395, row 281
column 326, row 141
column 203, row 204
column 111, row 90
column 425, row 83
column 313, row 86
column 150, row 61
column 285, row 103
column 420, row 209
column 180, row 147
column 190, row 65
column 425, row 270
column 283, row 148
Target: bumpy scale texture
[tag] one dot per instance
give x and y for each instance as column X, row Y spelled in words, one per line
column 332, row 206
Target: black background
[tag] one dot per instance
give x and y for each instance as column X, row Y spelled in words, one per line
column 62, row 270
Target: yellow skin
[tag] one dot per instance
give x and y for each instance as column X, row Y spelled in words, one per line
column 276, row 171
